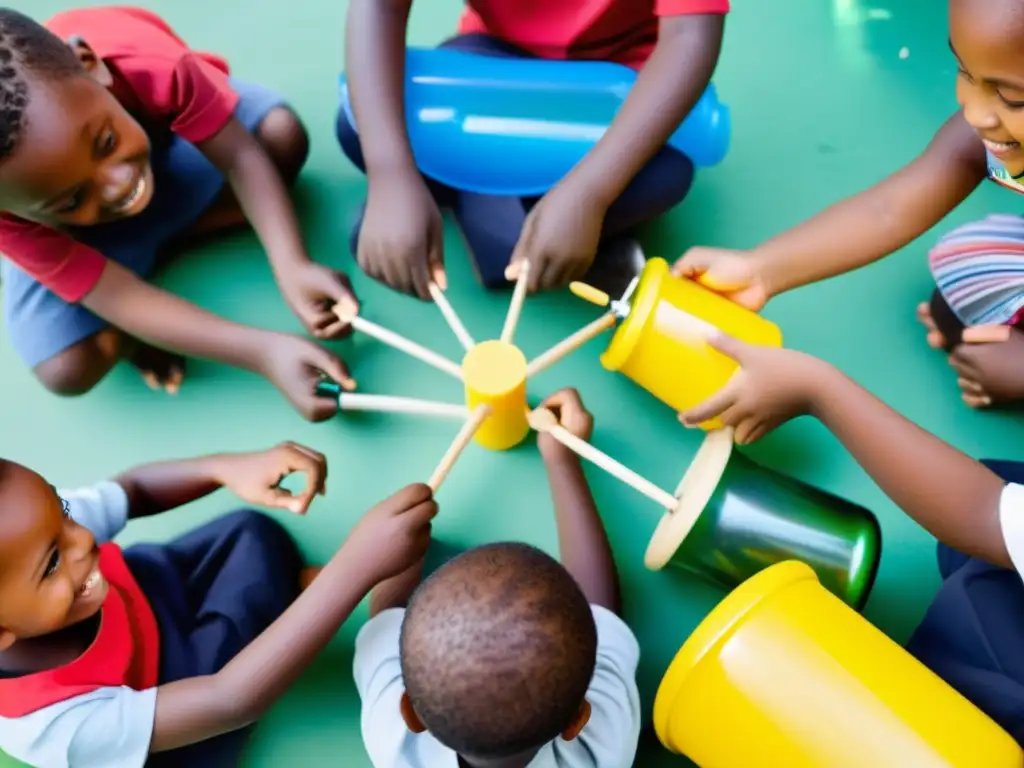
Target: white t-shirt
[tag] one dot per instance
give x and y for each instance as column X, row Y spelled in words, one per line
column 110, row 727
column 608, row 740
column 1011, row 518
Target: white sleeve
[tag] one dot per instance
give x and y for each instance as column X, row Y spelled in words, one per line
column 377, row 668
column 108, row 728
column 1011, row 518
column 102, row 508
column 610, row 737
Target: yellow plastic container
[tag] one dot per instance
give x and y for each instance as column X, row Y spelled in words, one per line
column 495, row 374
column 783, row 673
column 661, row 345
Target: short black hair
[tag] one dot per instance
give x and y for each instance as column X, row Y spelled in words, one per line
column 498, row 648
column 26, row 48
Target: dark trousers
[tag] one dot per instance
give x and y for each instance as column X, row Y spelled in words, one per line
column 973, row 633
column 214, row 590
column 491, row 224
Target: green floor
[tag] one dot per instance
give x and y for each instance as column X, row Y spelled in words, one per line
column 822, row 104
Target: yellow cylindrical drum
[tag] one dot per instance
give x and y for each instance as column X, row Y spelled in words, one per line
column 495, row 374
column 661, row 344
column 783, row 673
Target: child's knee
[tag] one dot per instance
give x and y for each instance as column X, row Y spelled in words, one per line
column 79, row 368
column 285, row 140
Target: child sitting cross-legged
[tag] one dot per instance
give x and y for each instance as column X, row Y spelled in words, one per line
column 505, row 658
column 163, row 654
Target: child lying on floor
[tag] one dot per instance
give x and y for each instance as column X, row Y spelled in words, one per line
column 629, row 177
column 974, row 630
column 108, row 657
column 116, row 141
column 979, row 268
column 504, row 657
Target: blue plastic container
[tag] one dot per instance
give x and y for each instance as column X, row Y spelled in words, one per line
column 516, row 126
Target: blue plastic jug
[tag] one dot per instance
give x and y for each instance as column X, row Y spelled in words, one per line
column 508, row 126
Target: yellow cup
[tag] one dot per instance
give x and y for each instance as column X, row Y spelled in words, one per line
column 495, row 375
column 783, row 673
column 661, row 344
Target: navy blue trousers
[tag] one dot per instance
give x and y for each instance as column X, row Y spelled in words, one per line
column 973, row 633
column 491, row 224
column 214, row 590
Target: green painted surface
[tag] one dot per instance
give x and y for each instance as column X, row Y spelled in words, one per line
column 822, row 104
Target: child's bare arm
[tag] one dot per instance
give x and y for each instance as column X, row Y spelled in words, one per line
column 254, row 477
column 951, row 495
column 375, row 68
column 582, row 540
column 864, row 228
column 670, row 83
column 392, row 535
column 396, row 591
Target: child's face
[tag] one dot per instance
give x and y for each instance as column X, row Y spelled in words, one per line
column 82, row 159
column 985, row 37
column 49, row 565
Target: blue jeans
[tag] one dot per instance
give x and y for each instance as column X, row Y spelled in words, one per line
column 491, row 224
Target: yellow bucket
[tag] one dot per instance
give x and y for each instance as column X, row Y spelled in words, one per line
column 783, row 673
column 661, row 345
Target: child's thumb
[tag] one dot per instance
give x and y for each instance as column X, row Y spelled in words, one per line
column 728, row 345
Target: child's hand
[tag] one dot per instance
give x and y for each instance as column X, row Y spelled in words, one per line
column 771, row 387
column 312, row 290
column 256, row 477
column 989, row 373
column 733, row 274
column 559, row 239
column 295, row 366
column 572, row 415
column 400, row 242
column 395, row 534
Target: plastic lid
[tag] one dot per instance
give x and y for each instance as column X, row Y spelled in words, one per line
column 645, row 299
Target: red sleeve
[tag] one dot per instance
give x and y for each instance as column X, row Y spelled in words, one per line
column 195, row 95
column 58, row 261
column 687, row 7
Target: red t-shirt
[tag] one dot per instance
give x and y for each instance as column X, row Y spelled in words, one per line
column 624, row 31
column 161, row 81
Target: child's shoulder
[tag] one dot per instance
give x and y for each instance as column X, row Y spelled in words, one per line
column 116, row 31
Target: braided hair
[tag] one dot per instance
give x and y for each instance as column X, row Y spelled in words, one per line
column 26, row 48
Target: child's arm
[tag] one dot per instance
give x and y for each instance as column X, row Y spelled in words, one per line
column 309, row 288
column 390, row 536
column 954, row 497
column 167, row 321
column 254, row 477
column 858, row 230
column 400, row 242
column 583, row 542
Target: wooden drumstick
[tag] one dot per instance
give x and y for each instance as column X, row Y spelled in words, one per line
column 462, row 439
column 515, row 306
column 451, row 316
column 543, row 420
column 571, row 343
column 400, row 343
column 350, row 401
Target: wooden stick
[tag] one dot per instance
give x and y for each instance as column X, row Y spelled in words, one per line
column 350, row 401
column 571, row 343
column 458, row 446
column 450, row 315
column 400, row 343
column 515, row 307
column 543, row 420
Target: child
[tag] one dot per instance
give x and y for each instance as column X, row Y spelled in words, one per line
column 629, row 177
column 504, row 657
column 107, row 657
column 974, row 630
column 115, row 143
column 977, row 266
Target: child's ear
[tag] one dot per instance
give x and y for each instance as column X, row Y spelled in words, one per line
column 578, row 723
column 92, row 63
column 7, row 639
column 412, row 720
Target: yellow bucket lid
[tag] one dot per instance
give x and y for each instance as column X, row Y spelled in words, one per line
column 645, row 300
column 717, row 627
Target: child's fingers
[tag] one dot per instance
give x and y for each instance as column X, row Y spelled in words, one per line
column 714, row 406
column 970, row 387
column 986, row 334
column 977, row 401
column 728, row 345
